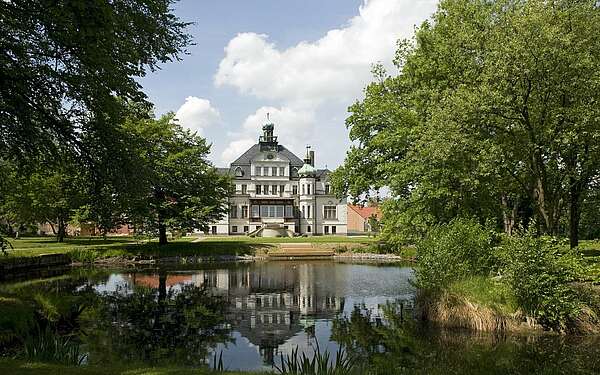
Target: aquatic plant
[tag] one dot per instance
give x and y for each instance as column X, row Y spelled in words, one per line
column 45, row 345
column 318, row 364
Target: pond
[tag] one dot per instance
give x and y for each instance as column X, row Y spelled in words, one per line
column 248, row 316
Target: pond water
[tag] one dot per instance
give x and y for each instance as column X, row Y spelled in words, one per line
column 249, row 315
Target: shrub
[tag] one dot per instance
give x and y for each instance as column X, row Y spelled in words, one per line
column 541, row 273
column 454, row 251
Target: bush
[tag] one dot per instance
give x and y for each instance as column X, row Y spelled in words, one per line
column 454, row 251
column 541, row 273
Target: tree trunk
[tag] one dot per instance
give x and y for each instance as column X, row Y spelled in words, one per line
column 574, row 213
column 60, row 235
column 162, row 234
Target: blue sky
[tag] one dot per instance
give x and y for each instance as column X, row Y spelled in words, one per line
column 302, row 61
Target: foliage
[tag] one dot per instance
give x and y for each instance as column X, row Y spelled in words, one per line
column 319, row 364
column 16, row 319
column 182, row 191
column 541, row 273
column 5, row 245
column 45, row 345
column 454, row 251
column 378, row 346
column 65, row 64
column 490, row 117
column 157, row 326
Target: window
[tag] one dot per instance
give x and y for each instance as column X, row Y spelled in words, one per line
column 295, row 189
column 308, row 212
column 279, row 212
column 303, row 189
column 213, row 229
column 255, row 211
column 244, row 212
column 257, row 227
column 264, row 211
column 289, row 211
column 309, row 229
column 281, row 189
column 329, row 212
column 258, row 171
column 274, row 189
column 308, row 189
column 273, row 171
column 333, row 230
column 282, row 171
column 258, row 190
column 246, row 229
column 234, row 229
column 233, row 211
column 239, row 172
column 326, row 229
column 327, row 189
column 303, row 212
column 244, row 189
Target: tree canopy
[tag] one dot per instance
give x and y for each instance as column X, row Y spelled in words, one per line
column 494, row 114
column 64, row 63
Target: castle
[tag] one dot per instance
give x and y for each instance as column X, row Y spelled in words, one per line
column 279, row 194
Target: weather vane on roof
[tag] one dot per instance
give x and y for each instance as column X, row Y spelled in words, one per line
column 267, row 116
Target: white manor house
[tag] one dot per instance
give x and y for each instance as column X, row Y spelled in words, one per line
column 279, row 194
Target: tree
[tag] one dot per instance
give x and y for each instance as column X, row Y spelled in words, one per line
column 46, row 195
column 495, row 108
column 66, row 62
column 182, row 190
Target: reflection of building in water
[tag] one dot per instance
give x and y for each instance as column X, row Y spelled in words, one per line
column 272, row 302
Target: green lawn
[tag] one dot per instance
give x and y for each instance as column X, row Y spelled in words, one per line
column 14, row 367
column 315, row 239
column 90, row 248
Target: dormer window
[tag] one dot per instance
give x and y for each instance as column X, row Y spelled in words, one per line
column 239, row 172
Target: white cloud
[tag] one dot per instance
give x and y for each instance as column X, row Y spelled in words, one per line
column 235, row 149
column 197, row 114
column 313, row 82
column 334, row 67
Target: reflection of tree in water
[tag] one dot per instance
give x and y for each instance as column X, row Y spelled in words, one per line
column 397, row 346
column 380, row 345
column 157, row 325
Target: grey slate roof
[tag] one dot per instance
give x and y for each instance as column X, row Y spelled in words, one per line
column 244, row 161
column 247, row 156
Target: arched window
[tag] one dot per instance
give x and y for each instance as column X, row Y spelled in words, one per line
column 239, row 172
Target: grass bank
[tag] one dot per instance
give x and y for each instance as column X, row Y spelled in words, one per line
column 87, row 249
column 16, row 367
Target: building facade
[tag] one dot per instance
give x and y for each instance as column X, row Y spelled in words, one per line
column 279, row 194
column 360, row 219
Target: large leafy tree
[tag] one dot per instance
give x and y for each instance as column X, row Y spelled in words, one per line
column 46, row 195
column 495, row 110
column 63, row 63
column 182, row 191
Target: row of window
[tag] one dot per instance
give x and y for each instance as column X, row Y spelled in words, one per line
column 329, row 212
column 269, row 171
column 327, row 229
column 272, row 211
column 273, row 189
column 264, row 189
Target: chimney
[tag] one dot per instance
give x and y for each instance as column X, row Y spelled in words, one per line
column 312, row 158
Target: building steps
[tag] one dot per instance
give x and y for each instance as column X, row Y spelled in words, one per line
column 299, row 250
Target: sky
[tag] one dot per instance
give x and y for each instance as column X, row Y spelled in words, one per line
column 302, row 61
